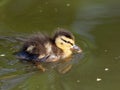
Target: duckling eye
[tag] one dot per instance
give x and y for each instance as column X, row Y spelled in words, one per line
column 61, row 43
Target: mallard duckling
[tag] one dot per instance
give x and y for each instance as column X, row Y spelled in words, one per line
column 42, row 48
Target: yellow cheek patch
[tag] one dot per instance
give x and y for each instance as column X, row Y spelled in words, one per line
column 66, row 46
column 58, row 41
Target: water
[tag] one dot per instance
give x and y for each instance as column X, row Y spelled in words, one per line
column 94, row 23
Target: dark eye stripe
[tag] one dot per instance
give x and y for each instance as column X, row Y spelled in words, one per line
column 63, row 40
column 67, row 41
column 71, row 43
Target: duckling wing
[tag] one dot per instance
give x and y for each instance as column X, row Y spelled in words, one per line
column 36, row 58
column 26, row 56
column 34, row 49
column 36, row 44
column 31, row 57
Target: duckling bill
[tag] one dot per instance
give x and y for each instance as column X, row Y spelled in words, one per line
column 42, row 48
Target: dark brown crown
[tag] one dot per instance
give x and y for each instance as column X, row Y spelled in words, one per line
column 63, row 32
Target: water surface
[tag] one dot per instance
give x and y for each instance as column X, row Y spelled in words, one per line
column 96, row 26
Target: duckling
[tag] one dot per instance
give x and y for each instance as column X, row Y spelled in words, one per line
column 42, row 48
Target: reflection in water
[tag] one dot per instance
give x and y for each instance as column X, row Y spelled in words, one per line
column 92, row 14
column 11, row 81
column 86, row 18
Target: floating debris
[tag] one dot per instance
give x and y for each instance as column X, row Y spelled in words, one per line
column 2, row 55
column 68, row 4
column 98, row 79
column 41, row 11
column 117, row 57
column 78, row 81
column 105, row 50
column 46, row 2
column 106, row 69
column 56, row 10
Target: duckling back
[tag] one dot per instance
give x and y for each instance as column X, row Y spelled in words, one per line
column 34, row 48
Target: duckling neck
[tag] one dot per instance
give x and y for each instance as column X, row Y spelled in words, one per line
column 67, row 53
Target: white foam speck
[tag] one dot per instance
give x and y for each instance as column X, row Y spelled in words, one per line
column 117, row 57
column 41, row 11
column 68, row 4
column 46, row 2
column 2, row 55
column 98, row 79
column 106, row 69
column 106, row 50
column 56, row 10
column 78, row 81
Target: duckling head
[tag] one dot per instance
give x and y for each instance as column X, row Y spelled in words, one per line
column 66, row 42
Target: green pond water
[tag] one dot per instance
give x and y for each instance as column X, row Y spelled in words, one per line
column 96, row 26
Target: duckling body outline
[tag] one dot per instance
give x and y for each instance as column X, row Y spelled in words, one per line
column 39, row 48
column 42, row 48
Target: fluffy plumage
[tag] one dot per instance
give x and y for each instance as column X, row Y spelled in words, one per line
column 42, row 48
